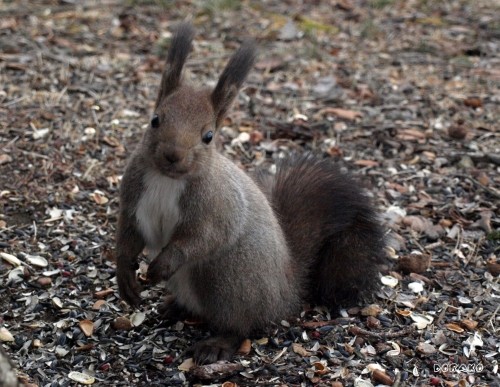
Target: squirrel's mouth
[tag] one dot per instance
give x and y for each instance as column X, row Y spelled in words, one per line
column 174, row 172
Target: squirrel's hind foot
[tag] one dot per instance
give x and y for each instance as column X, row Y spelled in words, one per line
column 216, row 348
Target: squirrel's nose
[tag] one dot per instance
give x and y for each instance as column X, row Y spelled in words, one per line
column 172, row 157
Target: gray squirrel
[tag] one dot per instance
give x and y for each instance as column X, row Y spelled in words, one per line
column 239, row 252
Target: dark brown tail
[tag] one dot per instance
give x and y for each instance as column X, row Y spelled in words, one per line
column 331, row 227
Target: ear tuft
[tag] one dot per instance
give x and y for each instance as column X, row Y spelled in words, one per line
column 232, row 79
column 177, row 54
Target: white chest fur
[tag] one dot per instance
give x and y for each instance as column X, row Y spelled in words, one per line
column 157, row 212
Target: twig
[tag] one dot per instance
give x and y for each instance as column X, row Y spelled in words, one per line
column 319, row 324
column 490, row 321
column 397, row 381
column 382, row 335
column 14, row 101
column 491, row 191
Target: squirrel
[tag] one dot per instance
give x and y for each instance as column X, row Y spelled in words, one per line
column 239, row 252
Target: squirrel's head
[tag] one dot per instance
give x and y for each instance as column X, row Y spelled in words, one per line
column 180, row 137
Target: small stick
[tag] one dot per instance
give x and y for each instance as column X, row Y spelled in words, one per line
column 382, row 335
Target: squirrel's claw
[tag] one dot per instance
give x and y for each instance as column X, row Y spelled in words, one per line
column 128, row 286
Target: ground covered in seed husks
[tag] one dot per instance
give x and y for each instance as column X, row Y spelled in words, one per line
column 405, row 94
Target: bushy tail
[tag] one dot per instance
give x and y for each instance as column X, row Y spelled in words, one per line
column 331, row 227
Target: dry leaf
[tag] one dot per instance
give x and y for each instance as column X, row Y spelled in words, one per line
column 186, row 365
column 341, row 113
column 103, row 293
column 454, row 327
column 426, row 348
column 473, row 102
column 469, row 324
column 98, row 304
column 99, row 197
column 320, row 368
column 493, row 267
column 371, row 310
column 414, row 263
column 382, row 377
column 87, row 327
column 4, row 159
column 410, row 135
column 300, row 350
column 366, row 163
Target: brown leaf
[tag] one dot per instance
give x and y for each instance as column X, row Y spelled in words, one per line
column 414, row 263
column 350, row 115
column 426, row 348
column 381, row 377
column 421, row 224
column 419, row 277
column 454, row 327
column 473, row 102
column 99, row 197
column 458, row 132
column 5, row 158
column 493, row 267
column 373, row 322
column 270, row 64
column 8, row 23
column 300, row 350
column 366, row 163
column 320, row 368
column 371, row 310
column 344, row 5
column 103, row 293
column 87, row 327
column 111, row 141
column 85, row 347
column 256, row 137
column 410, row 135
column 469, row 324
column 98, row 304
column 44, row 281
column 483, row 178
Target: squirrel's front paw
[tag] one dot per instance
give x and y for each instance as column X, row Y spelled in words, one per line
column 158, row 270
column 127, row 285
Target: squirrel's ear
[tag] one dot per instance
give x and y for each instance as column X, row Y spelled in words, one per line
column 231, row 79
column 177, row 55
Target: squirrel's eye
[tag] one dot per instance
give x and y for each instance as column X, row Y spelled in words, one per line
column 207, row 137
column 155, row 121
